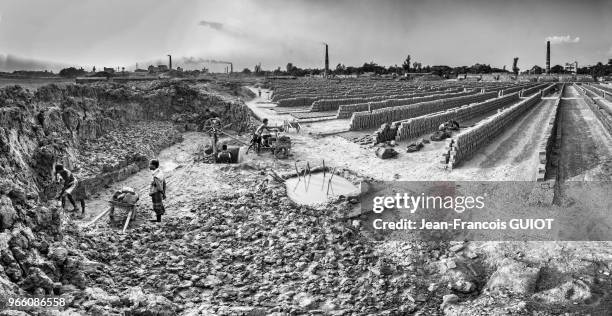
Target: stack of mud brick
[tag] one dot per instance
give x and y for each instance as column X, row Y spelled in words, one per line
column 512, row 89
column 293, row 102
column 545, row 148
column 385, row 132
column 366, row 120
column 600, row 90
column 466, row 143
column 345, row 111
column 603, row 113
column 331, row 104
column 529, row 91
column 418, row 126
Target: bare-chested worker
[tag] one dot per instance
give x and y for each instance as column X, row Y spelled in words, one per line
column 261, row 135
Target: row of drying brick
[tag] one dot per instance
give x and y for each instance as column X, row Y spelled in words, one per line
column 599, row 90
column 334, row 104
column 344, row 91
column 335, row 90
column 310, row 99
column 345, row 111
column 530, row 91
column 599, row 109
column 337, row 93
column 463, row 145
column 322, row 101
column 365, row 89
column 418, row 126
column 366, row 120
column 546, row 145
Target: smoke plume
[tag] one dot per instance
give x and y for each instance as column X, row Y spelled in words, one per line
column 213, row 25
column 559, row 39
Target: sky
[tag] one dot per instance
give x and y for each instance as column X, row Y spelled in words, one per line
column 52, row 34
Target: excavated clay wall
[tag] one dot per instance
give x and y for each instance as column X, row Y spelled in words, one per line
column 60, row 124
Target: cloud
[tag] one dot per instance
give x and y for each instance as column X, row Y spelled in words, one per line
column 560, row 39
column 9, row 62
column 222, row 28
column 213, row 25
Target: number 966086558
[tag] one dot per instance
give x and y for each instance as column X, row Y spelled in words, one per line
column 23, row 302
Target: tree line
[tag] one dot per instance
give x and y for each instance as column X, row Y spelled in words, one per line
column 408, row 66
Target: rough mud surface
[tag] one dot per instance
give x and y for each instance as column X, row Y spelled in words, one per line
column 231, row 242
column 104, row 133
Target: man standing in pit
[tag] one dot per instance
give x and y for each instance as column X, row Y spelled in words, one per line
column 157, row 190
column 224, row 156
column 70, row 184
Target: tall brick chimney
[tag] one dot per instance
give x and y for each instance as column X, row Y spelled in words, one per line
column 170, row 62
column 547, row 57
column 326, row 60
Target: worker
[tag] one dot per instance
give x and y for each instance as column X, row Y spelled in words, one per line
column 259, row 92
column 442, row 127
column 263, row 138
column 224, row 155
column 70, row 184
column 157, row 190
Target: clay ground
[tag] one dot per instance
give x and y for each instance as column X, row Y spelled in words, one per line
column 586, row 153
column 510, row 156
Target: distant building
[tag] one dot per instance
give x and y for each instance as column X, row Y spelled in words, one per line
column 109, row 70
column 162, row 68
column 141, row 70
column 571, row 67
column 179, row 69
column 536, row 70
column 153, row 69
column 609, row 61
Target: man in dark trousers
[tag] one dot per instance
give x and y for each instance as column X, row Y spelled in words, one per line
column 70, row 185
column 157, row 190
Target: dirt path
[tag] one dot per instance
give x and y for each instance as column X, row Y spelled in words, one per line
column 186, row 181
column 262, row 108
column 516, row 148
column 586, row 152
column 510, row 156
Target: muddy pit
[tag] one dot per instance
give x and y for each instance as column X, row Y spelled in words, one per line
column 318, row 188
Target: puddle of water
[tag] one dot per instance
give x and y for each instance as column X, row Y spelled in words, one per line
column 317, row 189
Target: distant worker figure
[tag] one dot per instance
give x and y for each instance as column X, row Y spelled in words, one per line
column 70, row 185
column 451, row 125
column 259, row 92
column 261, row 137
column 224, row 155
column 157, row 190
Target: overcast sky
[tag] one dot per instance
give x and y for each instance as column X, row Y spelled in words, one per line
column 56, row 33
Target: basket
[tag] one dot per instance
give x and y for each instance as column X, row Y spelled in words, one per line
column 123, row 207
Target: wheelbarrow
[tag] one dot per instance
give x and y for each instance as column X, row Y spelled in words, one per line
column 129, row 209
column 124, row 208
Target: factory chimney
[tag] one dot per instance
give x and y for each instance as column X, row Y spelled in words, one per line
column 326, row 60
column 170, row 62
column 547, row 57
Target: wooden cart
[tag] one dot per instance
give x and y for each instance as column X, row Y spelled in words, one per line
column 126, row 209
column 280, row 146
